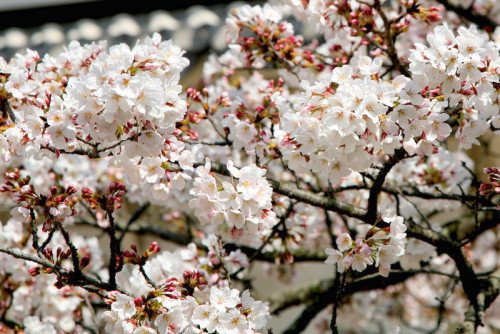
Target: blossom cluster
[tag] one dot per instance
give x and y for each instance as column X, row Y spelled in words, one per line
column 251, row 120
column 341, row 124
column 380, row 245
column 493, row 186
column 359, row 18
column 271, row 40
column 39, row 301
column 220, row 310
column 244, row 206
column 190, row 295
column 54, row 208
column 90, row 100
column 463, row 71
column 305, row 145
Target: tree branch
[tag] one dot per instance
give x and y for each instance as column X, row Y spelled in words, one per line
column 468, row 277
column 489, row 290
column 390, row 40
column 67, row 275
column 136, row 215
column 300, row 255
column 320, row 296
column 74, row 252
column 114, row 247
column 305, row 196
column 371, row 211
column 482, row 21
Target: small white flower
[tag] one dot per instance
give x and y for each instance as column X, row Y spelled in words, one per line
column 205, row 317
column 335, row 257
column 151, row 170
column 233, row 322
column 124, row 306
column 20, row 214
column 223, row 298
column 144, row 330
column 360, row 262
column 344, row 242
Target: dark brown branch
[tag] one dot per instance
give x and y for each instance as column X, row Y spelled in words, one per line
column 390, row 40
column 34, row 231
column 489, row 290
column 78, row 151
column 482, row 21
column 300, row 255
column 372, row 212
column 5, row 105
column 87, row 142
column 93, row 152
column 432, row 196
column 305, row 196
column 441, row 308
column 146, row 277
column 114, row 248
column 68, row 275
column 485, row 225
column 136, row 215
column 339, row 286
column 321, row 296
column 49, row 238
column 74, row 252
column 469, row 279
column 118, row 143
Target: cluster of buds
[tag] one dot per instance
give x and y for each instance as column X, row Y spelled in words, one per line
column 108, row 201
column 19, row 188
column 55, row 207
column 60, row 204
column 265, row 108
column 140, row 259
column 426, row 14
column 170, row 288
column 270, row 40
column 201, row 105
column 360, row 21
column 148, row 307
column 494, row 178
column 193, row 279
column 47, row 253
column 203, row 97
column 338, row 55
column 270, row 45
column 249, row 125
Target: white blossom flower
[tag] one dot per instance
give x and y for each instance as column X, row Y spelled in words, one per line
column 151, row 170
column 124, row 306
column 223, row 298
column 205, row 317
column 233, row 322
column 344, row 242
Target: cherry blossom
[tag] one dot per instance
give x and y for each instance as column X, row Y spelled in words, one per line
column 344, row 146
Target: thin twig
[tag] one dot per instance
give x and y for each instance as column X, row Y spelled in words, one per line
column 74, row 252
column 84, row 280
column 135, row 216
column 146, row 277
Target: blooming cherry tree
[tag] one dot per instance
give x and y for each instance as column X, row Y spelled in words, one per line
column 347, row 151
